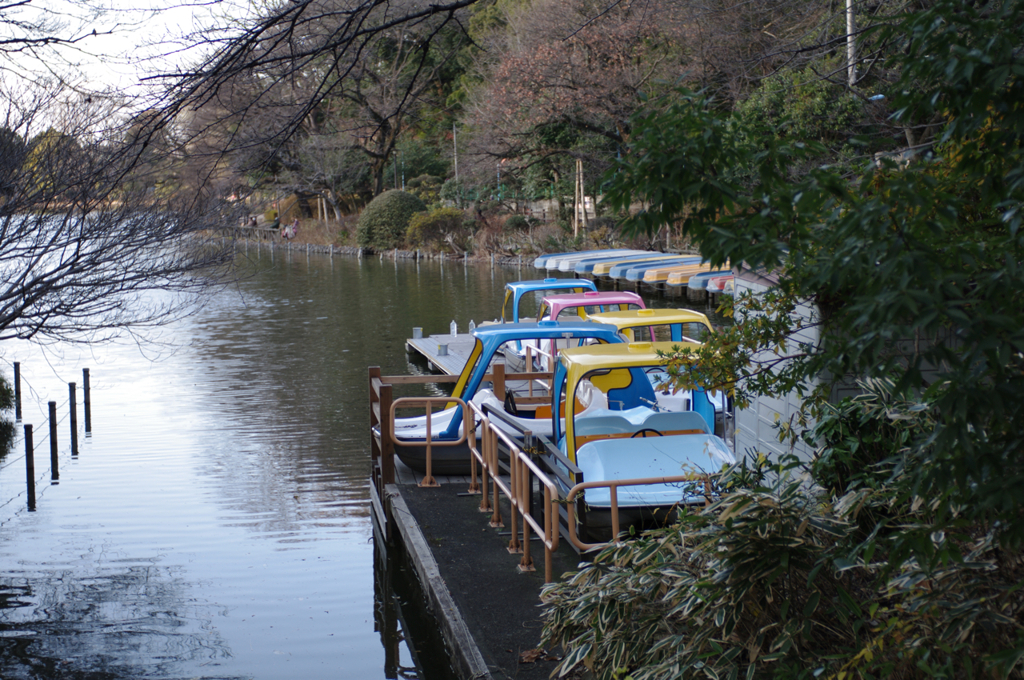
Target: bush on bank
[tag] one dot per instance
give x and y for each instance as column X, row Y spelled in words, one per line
column 384, row 221
column 442, row 230
column 761, row 583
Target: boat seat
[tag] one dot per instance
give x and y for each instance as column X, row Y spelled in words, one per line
column 677, row 422
column 602, row 425
column 610, row 425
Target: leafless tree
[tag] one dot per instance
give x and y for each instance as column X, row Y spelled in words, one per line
column 352, row 70
column 89, row 246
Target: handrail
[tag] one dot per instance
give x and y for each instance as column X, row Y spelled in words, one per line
column 521, row 465
column 518, row 492
column 556, row 461
column 428, row 402
column 613, row 485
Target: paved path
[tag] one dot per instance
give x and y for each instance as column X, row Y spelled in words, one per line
column 499, row 604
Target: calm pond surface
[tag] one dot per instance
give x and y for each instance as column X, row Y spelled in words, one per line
column 216, row 521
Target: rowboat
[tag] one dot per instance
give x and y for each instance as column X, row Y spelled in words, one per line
column 567, row 263
column 661, row 275
column 600, row 268
column 541, row 261
column 700, row 281
column 625, row 270
column 717, row 283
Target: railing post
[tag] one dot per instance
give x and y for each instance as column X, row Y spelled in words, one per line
column 30, row 469
column 514, row 501
column 529, row 450
column 73, row 410
column 499, row 381
column 428, row 478
column 17, row 391
column 486, row 442
column 387, row 446
column 54, row 474
column 87, row 399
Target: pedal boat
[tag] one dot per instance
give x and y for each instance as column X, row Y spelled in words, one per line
column 474, row 384
column 629, row 439
column 569, row 307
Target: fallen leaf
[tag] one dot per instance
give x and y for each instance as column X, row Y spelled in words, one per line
column 530, row 655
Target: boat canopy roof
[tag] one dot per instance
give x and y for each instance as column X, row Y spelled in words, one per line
column 677, row 320
column 516, row 291
column 579, row 361
column 619, row 371
column 489, row 339
column 591, row 301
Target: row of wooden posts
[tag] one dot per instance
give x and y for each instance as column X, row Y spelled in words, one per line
column 30, row 465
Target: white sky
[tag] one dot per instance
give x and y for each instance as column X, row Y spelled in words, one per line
column 133, row 37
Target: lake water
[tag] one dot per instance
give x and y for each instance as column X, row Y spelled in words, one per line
column 215, row 523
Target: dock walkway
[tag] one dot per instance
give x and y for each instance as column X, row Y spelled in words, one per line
column 455, row 350
column 491, row 601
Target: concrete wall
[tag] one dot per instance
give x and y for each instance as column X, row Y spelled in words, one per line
column 755, row 425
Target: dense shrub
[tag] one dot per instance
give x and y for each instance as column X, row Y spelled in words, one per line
column 814, row 108
column 517, row 223
column 444, row 229
column 427, row 188
column 384, row 221
column 782, row 578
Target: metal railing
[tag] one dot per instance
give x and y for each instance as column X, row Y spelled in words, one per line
column 536, row 458
column 468, row 429
column 613, row 489
column 518, row 490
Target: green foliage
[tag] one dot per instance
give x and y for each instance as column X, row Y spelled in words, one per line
column 417, row 157
column 761, row 583
column 384, row 221
column 457, row 193
column 444, row 229
column 427, row 188
column 53, row 157
column 517, row 223
column 6, row 394
column 908, row 278
column 12, row 154
column 803, row 106
column 914, row 272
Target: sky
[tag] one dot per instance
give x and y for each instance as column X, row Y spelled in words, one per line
column 133, row 38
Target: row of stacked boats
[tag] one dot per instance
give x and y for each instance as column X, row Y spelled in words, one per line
column 604, row 399
column 673, row 270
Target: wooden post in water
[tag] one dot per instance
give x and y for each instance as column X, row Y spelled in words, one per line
column 30, row 469
column 54, row 473
column 73, row 408
column 17, row 391
column 87, row 400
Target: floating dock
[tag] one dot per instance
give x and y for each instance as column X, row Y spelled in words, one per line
column 446, row 353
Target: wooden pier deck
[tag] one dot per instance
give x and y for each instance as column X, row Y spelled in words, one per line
column 458, row 349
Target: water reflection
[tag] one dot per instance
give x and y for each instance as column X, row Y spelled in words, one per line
column 128, row 623
column 216, row 524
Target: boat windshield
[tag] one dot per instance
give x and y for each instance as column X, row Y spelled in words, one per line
column 692, row 331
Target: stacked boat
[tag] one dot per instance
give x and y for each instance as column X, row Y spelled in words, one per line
column 635, row 267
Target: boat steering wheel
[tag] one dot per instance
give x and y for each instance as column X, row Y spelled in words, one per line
column 643, row 431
